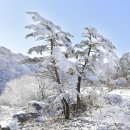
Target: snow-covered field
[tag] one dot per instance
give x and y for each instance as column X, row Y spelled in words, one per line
column 113, row 115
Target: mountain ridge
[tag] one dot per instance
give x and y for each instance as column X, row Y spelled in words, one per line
column 10, row 66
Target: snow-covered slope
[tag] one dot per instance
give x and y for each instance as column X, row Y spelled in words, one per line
column 10, row 66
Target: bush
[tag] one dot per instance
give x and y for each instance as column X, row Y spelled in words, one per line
column 22, row 90
column 90, row 102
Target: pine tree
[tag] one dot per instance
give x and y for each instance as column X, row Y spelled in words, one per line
column 54, row 41
column 94, row 47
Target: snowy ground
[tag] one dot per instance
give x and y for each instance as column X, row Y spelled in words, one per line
column 114, row 115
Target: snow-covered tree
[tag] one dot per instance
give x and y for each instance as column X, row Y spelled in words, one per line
column 57, row 46
column 123, row 69
column 52, row 34
column 90, row 54
column 53, row 37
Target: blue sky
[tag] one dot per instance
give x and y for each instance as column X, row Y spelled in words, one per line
column 110, row 17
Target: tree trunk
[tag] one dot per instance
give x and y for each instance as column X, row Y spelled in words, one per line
column 65, row 108
column 79, row 79
column 78, row 89
column 57, row 76
column 52, row 45
column 64, row 102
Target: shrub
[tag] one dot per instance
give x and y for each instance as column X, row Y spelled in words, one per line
column 22, row 90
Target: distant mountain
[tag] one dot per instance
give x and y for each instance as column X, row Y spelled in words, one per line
column 10, row 66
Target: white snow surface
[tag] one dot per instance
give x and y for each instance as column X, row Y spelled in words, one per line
column 116, row 113
column 108, row 117
column 124, row 93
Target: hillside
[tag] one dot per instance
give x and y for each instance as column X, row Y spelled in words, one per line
column 10, row 66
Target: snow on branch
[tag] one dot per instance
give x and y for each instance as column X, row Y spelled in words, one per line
column 38, row 49
column 46, row 30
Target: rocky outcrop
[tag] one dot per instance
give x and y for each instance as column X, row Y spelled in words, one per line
column 23, row 117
